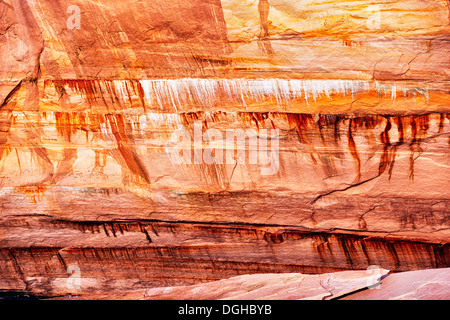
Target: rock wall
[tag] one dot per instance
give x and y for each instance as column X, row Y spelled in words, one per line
column 114, row 152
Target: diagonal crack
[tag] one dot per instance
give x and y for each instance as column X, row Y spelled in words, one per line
column 344, row 189
column 362, row 222
column 11, row 94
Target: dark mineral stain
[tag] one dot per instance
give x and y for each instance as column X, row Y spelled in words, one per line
column 300, row 122
column 419, row 130
column 68, row 123
column 124, row 146
column 275, row 238
column 319, row 133
column 384, row 138
column 411, row 130
column 96, row 91
column 263, row 8
column 353, row 151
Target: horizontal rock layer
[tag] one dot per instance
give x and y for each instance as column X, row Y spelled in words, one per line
column 167, row 144
column 371, row 284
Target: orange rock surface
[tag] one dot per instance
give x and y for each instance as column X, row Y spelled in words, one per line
column 354, row 95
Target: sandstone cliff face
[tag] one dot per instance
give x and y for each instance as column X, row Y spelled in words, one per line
column 347, row 104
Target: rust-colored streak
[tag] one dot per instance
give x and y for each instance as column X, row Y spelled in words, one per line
column 424, row 124
column 441, row 121
column 353, row 151
column 69, row 123
column 86, row 87
column 64, row 125
column 400, row 123
column 448, row 5
column 100, row 160
column 413, row 129
column 300, row 123
column 418, row 126
column 255, row 119
column 5, row 126
column 259, row 248
column 260, row 118
column 384, row 138
column 263, row 8
column 112, row 92
column 132, row 160
column 323, row 124
column 65, row 167
column 317, row 133
column 140, row 92
column 34, row 193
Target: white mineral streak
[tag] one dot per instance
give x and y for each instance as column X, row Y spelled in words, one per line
column 104, row 130
column 121, row 87
column 207, row 91
column 138, row 123
column 175, row 95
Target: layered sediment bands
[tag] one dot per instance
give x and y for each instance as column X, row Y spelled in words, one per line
column 44, row 269
column 175, row 142
column 333, row 146
column 430, row 284
column 131, row 38
column 286, row 95
column 105, row 189
column 94, row 189
column 334, row 19
column 228, row 38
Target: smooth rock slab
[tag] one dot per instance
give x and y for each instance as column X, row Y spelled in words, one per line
column 432, row 284
column 371, row 284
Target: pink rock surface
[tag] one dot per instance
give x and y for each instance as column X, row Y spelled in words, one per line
column 432, row 284
column 371, row 284
column 273, row 287
column 89, row 172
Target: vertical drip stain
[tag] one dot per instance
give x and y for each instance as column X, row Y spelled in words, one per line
column 207, row 93
column 424, row 124
column 419, row 130
column 34, row 193
column 300, row 122
column 412, row 146
column 384, row 138
column 317, row 133
column 411, row 130
column 400, row 123
column 140, row 92
column 441, row 122
column 353, row 151
column 263, row 8
column 117, row 92
column 321, row 123
column 124, row 144
column 179, row 94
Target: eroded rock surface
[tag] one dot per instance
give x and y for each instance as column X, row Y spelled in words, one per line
column 346, row 104
column 372, row 284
